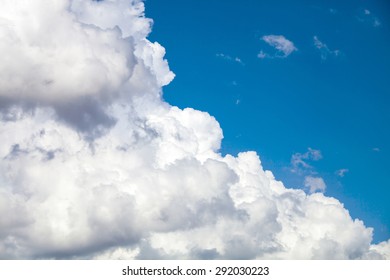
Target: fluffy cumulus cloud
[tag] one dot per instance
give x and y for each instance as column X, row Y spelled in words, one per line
column 47, row 48
column 94, row 164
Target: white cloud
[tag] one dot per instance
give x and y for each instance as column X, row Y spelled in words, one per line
column 262, row 55
column 283, row 46
column 376, row 22
column 151, row 183
column 324, row 49
column 237, row 59
column 381, row 251
column 315, row 184
column 230, row 58
column 342, row 172
column 299, row 161
column 368, row 17
column 44, row 65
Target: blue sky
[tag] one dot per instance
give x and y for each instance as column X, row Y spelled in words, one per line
column 331, row 93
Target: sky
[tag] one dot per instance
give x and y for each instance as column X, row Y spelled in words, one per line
column 193, row 130
column 328, row 91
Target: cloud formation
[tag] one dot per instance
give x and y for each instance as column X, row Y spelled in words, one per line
column 315, row 184
column 283, row 46
column 42, row 60
column 342, row 172
column 299, row 161
column 228, row 57
column 94, row 164
column 324, row 49
column 367, row 16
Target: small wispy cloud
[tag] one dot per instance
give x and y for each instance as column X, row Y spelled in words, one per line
column 301, row 166
column 262, row 55
column 300, row 161
column 367, row 16
column 324, row 49
column 376, row 149
column 315, row 184
column 376, row 23
column 342, row 172
column 237, row 59
column 283, row 46
column 230, row 58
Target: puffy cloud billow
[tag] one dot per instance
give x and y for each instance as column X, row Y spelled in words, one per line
column 94, row 164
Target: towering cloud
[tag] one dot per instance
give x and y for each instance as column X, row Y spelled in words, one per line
column 94, row 164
